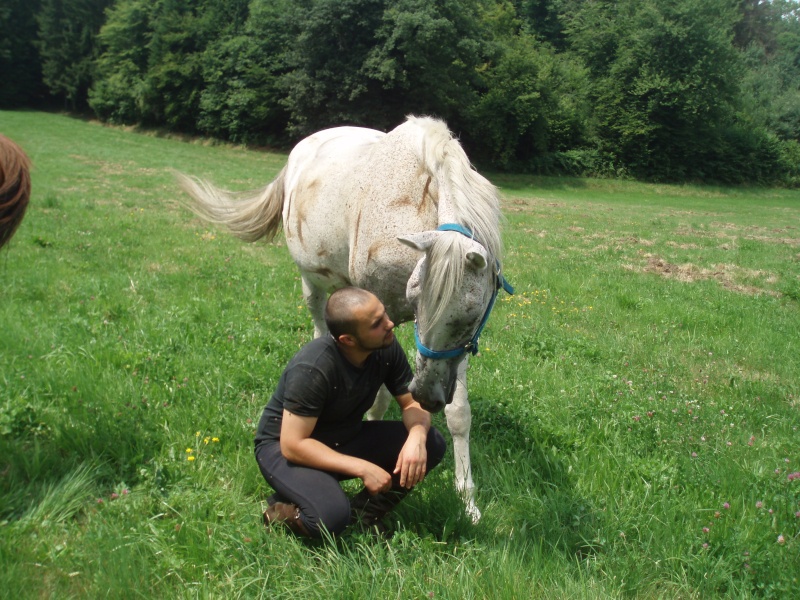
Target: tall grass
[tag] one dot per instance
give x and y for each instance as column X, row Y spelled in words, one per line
column 635, row 404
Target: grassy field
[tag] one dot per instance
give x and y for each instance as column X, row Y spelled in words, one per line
column 635, row 404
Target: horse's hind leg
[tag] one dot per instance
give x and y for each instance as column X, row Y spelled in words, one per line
column 315, row 300
column 381, row 405
column 459, row 421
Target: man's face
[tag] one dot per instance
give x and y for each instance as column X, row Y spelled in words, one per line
column 374, row 329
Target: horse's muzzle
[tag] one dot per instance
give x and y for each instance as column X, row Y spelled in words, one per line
column 433, row 400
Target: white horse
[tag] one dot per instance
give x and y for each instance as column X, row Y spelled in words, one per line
column 358, row 207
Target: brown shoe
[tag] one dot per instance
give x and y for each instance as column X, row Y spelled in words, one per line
column 288, row 514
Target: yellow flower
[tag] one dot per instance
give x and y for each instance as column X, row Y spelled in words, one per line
column 215, row 439
column 190, row 458
column 189, row 451
column 206, row 440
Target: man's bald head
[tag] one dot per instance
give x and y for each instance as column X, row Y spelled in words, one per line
column 341, row 309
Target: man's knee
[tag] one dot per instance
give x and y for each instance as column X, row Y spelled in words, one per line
column 333, row 516
column 436, row 447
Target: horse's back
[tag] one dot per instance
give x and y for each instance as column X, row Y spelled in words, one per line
column 350, row 192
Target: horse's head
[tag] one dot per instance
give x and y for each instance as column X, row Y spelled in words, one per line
column 452, row 290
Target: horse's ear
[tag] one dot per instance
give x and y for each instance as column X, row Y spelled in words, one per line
column 477, row 260
column 419, row 241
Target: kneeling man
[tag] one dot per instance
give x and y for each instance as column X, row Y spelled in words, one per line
column 312, row 434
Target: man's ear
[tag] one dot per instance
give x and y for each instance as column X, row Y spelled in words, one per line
column 346, row 340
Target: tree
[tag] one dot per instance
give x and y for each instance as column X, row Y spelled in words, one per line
column 533, row 107
column 118, row 91
column 665, row 82
column 372, row 61
column 19, row 60
column 67, row 32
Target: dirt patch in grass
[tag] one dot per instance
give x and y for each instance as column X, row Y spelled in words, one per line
column 728, row 276
column 529, row 204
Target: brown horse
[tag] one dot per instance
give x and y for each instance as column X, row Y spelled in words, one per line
column 15, row 187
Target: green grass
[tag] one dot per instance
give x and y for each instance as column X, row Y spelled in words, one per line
column 635, row 404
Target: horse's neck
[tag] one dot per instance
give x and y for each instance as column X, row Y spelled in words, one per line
column 445, row 212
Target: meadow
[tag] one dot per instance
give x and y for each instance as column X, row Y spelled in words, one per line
column 635, row 403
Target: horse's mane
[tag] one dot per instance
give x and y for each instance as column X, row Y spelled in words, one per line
column 475, row 204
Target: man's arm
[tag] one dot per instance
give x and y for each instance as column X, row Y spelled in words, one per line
column 299, row 447
column 413, row 458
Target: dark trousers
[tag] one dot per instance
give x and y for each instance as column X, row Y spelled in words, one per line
column 321, row 499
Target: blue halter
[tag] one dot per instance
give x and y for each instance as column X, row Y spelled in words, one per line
column 472, row 345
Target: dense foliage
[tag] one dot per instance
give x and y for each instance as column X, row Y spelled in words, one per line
column 670, row 90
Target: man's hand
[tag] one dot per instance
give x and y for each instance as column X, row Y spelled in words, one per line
column 375, row 479
column 412, row 462
column 299, row 447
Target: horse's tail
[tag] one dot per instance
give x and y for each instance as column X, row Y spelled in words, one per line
column 247, row 215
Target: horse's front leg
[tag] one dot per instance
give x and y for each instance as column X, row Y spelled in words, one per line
column 459, row 421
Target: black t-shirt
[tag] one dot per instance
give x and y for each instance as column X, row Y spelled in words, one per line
column 320, row 382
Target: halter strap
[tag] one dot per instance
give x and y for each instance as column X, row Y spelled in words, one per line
column 472, row 345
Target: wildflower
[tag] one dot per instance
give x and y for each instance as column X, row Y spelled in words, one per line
column 189, row 451
column 705, row 545
column 190, row 458
column 706, row 530
column 717, row 514
column 759, row 504
column 637, row 418
column 797, row 514
column 215, row 439
column 793, row 476
column 726, row 506
column 114, row 495
column 781, row 540
column 206, row 440
column 100, row 501
column 694, row 454
column 125, row 492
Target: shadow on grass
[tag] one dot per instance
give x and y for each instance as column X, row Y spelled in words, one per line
column 526, row 491
column 518, row 182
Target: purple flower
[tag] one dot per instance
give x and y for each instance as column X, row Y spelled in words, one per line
column 706, row 530
column 726, row 506
column 114, row 495
column 781, row 540
column 793, row 476
column 759, row 504
column 694, row 454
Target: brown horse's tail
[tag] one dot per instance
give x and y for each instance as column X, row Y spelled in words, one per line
column 249, row 215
